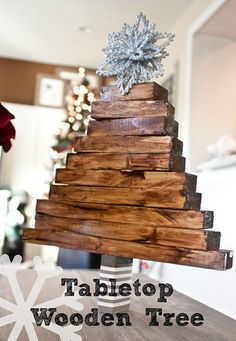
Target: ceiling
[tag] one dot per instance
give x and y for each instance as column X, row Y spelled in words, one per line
column 223, row 23
column 48, row 30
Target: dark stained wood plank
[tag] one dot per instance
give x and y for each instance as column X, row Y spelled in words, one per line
column 126, row 161
column 187, row 238
column 158, row 125
column 218, row 260
column 177, row 164
column 129, row 144
column 102, row 110
column 142, row 91
column 127, row 196
column 127, row 214
column 136, row 179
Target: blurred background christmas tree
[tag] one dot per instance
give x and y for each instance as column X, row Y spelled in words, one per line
column 78, row 107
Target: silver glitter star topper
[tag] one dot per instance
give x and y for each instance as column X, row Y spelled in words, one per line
column 133, row 54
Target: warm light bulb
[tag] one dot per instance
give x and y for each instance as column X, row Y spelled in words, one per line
column 79, row 117
column 71, row 113
column 85, row 106
column 75, row 127
column 90, row 96
column 78, row 109
column 70, row 107
column 76, row 102
column 76, row 90
column 81, row 70
column 83, row 89
column 71, row 119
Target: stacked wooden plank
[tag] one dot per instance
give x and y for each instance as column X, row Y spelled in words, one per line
column 125, row 192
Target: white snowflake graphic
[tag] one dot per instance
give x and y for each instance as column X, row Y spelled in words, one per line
column 20, row 312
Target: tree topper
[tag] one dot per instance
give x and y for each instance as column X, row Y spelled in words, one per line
column 133, row 54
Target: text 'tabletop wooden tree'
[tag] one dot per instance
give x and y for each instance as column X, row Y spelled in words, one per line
column 124, row 192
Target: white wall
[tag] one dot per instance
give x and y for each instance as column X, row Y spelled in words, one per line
column 181, row 47
column 213, row 109
column 24, row 167
column 195, row 15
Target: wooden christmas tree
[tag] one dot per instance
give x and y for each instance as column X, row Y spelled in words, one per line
column 125, row 193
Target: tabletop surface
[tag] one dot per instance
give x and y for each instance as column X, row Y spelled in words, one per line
column 216, row 326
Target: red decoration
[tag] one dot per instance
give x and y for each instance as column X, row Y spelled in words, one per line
column 7, row 130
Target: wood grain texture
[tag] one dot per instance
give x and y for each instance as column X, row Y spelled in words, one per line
column 127, row 214
column 178, row 237
column 142, row 91
column 218, row 260
column 176, row 199
column 129, row 144
column 136, row 179
column 126, row 161
column 159, row 126
column 102, row 110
